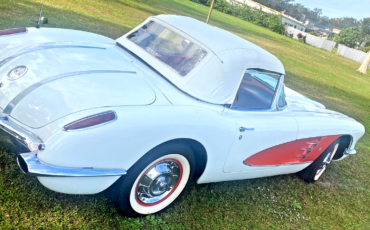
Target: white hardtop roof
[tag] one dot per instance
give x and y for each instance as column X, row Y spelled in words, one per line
column 217, row 77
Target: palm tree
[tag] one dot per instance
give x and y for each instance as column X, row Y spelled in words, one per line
column 365, row 33
column 365, row 64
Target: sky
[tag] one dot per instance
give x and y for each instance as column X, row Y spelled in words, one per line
column 358, row 9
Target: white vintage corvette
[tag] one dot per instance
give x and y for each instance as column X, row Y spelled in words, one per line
column 173, row 99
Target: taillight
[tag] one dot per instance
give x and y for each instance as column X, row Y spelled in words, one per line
column 12, row 31
column 90, row 121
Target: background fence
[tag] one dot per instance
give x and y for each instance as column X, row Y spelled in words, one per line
column 311, row 39
column 350, row 53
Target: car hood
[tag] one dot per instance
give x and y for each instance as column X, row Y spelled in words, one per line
column 299, row 103
column 64, row 78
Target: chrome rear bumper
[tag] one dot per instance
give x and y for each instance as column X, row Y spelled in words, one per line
column 29, row 163
column 23, row 136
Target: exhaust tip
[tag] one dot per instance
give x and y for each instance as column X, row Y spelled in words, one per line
column 22, row 164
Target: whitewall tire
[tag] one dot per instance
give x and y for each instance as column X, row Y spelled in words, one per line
column 166, row 198
column 156, row 181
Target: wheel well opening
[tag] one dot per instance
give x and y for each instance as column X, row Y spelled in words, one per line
column 344, row 144
column 200, row 154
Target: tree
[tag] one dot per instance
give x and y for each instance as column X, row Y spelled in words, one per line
column 300, row 12
column 343, row 23
column 365, row 27
column 365, row 32
column 317, row 13
column 350, row 36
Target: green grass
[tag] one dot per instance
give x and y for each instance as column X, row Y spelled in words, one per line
column 341, row 200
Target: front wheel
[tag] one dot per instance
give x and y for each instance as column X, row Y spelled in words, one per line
column 156, row 181
column 314, row 171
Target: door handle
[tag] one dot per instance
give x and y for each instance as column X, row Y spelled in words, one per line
column 242, row 129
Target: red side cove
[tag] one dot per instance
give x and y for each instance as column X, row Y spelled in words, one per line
column 299, row 151
column 12, row 31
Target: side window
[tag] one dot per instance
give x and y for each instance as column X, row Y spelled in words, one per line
column 257, row 90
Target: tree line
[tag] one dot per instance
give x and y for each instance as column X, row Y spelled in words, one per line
column 247, row 13
column 355, row 32
column 302, row 13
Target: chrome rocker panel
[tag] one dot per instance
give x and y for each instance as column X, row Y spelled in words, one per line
column 29, row 164
column 26, row 138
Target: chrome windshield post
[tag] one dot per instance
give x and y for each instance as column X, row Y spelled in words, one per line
column 275, row 102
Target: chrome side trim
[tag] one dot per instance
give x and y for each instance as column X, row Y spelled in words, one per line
column 4, row 61
column 25, row 137
column 30, row 164
column 350, row 152
column 9, row 108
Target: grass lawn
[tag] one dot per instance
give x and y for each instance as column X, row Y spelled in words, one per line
column 341, row 200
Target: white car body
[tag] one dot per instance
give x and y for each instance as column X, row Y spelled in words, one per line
column 74, row 74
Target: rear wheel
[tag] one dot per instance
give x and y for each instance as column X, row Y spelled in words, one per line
column 314, row 171
column 156, row 181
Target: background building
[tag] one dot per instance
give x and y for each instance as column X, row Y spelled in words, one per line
column 287, row 20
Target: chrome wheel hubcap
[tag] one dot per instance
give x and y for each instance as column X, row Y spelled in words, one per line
column 159, row 181
column 161, row 185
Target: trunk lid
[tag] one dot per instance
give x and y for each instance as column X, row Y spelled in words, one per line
column 63, row 78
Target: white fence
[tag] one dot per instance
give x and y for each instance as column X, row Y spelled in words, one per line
column 311, row 39
column 356, row 55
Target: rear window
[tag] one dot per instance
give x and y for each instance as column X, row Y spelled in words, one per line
column 172, row 49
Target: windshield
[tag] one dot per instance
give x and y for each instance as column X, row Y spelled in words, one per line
column 172, row 49
column 257, row 90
